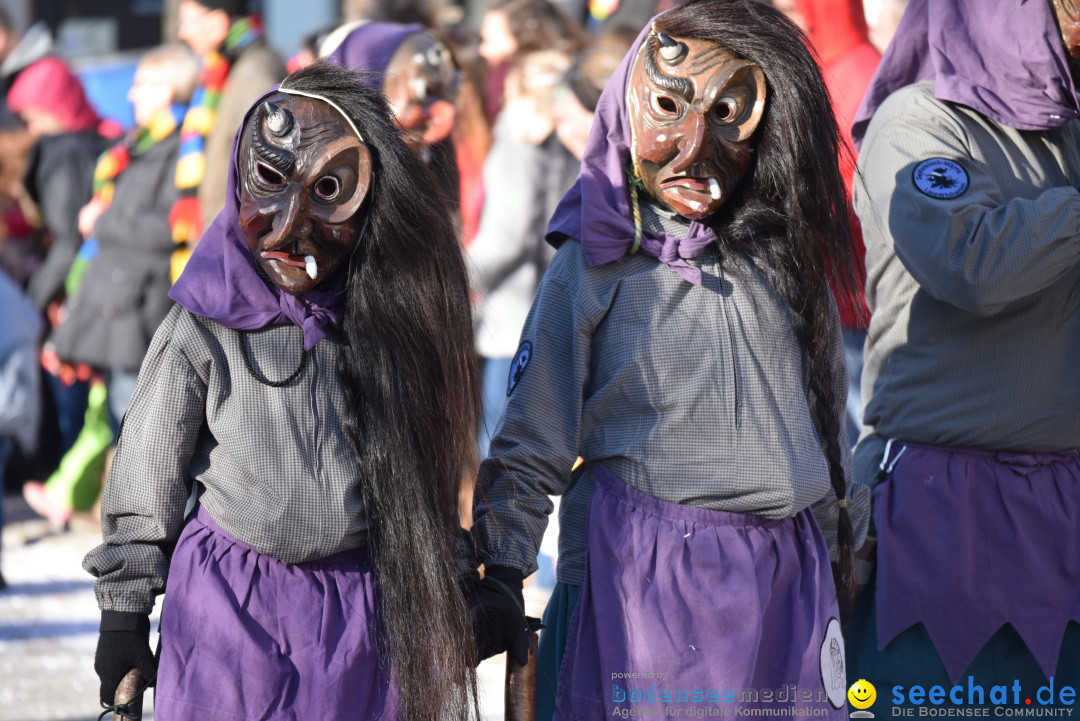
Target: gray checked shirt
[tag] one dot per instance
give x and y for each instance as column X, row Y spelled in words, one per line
column 273, row 465
column 692, row 394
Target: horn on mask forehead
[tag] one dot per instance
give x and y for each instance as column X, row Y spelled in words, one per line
column 671, row 50
column 278, row 120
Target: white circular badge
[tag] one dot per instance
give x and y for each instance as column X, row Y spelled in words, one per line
column 833, row 668
column 940, row 178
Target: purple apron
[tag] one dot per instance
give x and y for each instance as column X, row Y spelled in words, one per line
column 246, row 636
column 969, row 540
column 699, row 610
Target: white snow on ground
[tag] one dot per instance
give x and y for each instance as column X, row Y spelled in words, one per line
column 48, row 621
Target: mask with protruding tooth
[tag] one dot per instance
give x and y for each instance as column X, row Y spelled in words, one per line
column 693, row 107
column 304, row 174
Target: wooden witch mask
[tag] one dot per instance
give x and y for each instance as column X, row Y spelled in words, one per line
column 694, row 106
column 421, row 86
column 304, row 173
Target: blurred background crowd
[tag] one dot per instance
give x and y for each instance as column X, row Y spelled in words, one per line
column 115, row 128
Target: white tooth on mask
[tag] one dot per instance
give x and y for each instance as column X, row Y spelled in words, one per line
column 309, row 265
column 714, row 188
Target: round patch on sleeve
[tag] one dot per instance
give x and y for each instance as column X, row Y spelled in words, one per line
column 517, row 368
column 833, row 670
column 940, row 178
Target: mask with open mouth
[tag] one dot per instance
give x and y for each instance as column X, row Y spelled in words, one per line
column 304, row 175
column 694, row 106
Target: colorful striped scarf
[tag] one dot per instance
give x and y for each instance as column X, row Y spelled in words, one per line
column 186, row 216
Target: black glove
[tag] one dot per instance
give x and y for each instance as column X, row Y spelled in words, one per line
column 497, row 609
column 123, row 644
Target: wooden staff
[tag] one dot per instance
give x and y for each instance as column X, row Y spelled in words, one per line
column 129, row 691
column 521, row 685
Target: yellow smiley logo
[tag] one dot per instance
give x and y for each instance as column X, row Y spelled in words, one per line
column 862, row 694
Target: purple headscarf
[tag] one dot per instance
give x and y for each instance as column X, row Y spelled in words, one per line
column 221, row 281
column 371, row 46
column 596, row 210
column 1002, row 58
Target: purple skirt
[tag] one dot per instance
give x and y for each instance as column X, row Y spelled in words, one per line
column 700, row 610
column 246, row 636
column 969, row 540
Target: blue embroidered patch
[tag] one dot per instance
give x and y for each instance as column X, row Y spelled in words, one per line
column 517, row 368
column 940, row 178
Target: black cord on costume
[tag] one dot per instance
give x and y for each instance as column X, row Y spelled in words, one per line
column 261, row 378
column 124, row 709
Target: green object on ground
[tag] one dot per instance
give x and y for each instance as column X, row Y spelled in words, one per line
column 77, row 482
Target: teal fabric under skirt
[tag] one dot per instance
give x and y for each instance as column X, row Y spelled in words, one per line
column 552, row 645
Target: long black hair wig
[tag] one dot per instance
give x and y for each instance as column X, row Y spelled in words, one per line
column 790, row 211
column 412, row 398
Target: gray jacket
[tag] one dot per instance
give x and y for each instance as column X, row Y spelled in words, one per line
column 975, row 290
column 124, row 294
column 692, row 394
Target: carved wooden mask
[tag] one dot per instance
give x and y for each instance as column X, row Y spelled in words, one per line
column 304, row 175
column 694, row 106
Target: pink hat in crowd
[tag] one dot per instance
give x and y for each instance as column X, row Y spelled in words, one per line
column 50, row 85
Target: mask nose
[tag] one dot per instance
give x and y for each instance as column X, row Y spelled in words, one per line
column 694, row 143
column 290, row 222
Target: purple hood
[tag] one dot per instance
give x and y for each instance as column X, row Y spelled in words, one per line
column 370, row 47
column 1002, row 58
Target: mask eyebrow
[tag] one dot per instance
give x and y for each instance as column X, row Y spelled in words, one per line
column 679, row 86
column 312, row 135
column 277, row 158
column 705, row 60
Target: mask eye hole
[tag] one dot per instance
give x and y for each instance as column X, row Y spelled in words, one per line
column 327, row 188
column 269, row 176
column 725, row 109
column 665, row 105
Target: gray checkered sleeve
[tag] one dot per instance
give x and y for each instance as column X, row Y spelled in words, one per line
column 148, row 486
column 272, row 464
column 536, row 440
